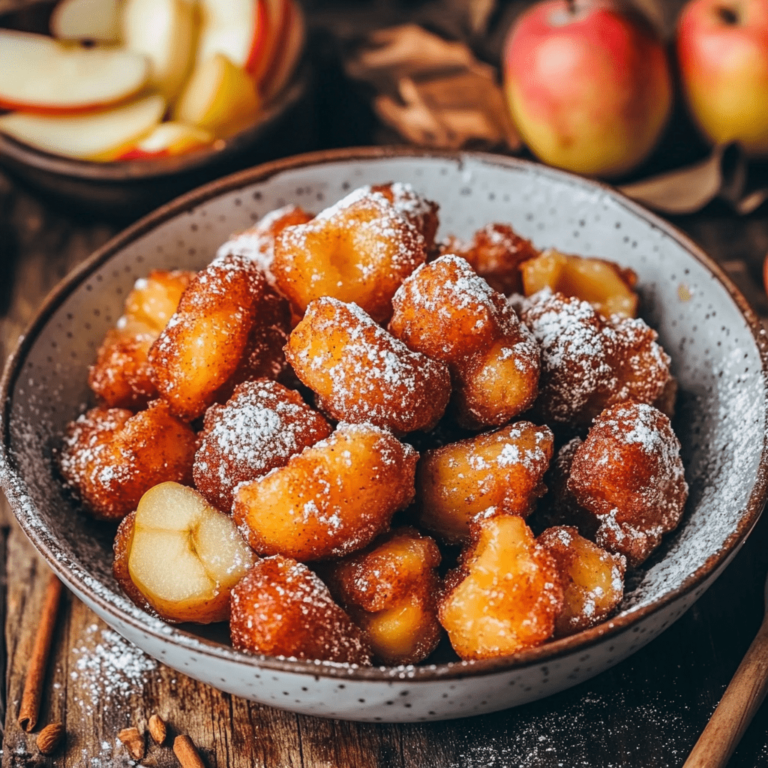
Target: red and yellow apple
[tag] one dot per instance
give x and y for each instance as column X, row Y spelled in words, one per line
column 588, row 85
column 722, row 46
column 167, row 140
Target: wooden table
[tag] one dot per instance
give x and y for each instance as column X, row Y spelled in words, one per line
column 648, row 711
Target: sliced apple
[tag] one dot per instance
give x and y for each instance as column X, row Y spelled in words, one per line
column 236, row 28
column 278, row 13
column 185, row 556
column 165, row 32
column 95, row 136
column 97, row 20
column 40, row 74
column 167, row 140
column 218, row 97
column 289, row 52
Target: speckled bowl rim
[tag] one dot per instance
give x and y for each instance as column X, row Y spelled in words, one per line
column 47, row 545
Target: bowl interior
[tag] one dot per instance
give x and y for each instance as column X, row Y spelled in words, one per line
column 717, row 357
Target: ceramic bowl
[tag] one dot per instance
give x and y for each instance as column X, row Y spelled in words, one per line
column 719, row 357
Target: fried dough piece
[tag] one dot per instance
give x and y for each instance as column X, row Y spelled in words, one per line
column 608, row 287
column 111, row 457
column 502, row 469
column 281, row 608
column 359, row 250
column 592, row 579
column 257, row 243
column 495, row 252
column 331, row 499
column 628, row 474
column 447, row 312
column 180, row 556
column 362, row 374
column 422, row 213
column 121, row 374
column 588, row 361
column 506, row 594
column 211, row 335
column 390, row 591
column 259, row 428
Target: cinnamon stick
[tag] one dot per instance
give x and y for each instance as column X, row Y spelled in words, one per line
column 186, row 753
column 38, row 662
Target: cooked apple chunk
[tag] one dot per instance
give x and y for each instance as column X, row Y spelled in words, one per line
column 608, row 287
column 505, row 596
column 592, row 579
column 183, row 555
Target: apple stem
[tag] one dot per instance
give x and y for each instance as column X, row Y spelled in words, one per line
column 728, row 15
column 571, row 7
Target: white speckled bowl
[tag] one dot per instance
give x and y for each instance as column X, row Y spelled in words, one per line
column 719, row 354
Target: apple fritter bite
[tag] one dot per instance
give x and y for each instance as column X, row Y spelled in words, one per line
column 608, row 287
column 359, row 250
column 362, row 374
column 506, row 594
column 111, row 457
column 259, row 428
column 331, row 499
column 495, row 252
column 592, row 579
column 502, row 469
column 281, row 608
column 628, row 474
column 121, row 374
column 180, row 556
column 588, row 361
column 422, row 213
column 210, row 335
column 447, row 312
column 390, row 592
column 258, row 242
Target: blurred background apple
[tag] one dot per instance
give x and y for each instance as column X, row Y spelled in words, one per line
column 588, row 85
column 722, row 48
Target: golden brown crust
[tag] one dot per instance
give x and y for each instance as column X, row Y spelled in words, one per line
column 281, row 608
column 111, row 457
column 260, row 427
column 207, row 339
column 419, row 211
column 331, row 499
column 506, row 594
column 502, row 469
column 628, row 474
column 361, row 374
column 592, row 579
column 359, row 250
column 447, row 312
column 495, row 252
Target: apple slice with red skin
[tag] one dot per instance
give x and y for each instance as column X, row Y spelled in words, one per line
column 278, row 13
column 167, row 140
column 289, row 50
column 94, row 136
column 239, row 29
column 40, row 74
column 97, row 20
column 165, row 31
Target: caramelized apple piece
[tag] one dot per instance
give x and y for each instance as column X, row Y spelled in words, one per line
column 608, row 287
column 592, row 579
column 506, row 594
column 281, row 608
column 332, row 498
column 183, row 555
column 502, row 469
column 390, row 592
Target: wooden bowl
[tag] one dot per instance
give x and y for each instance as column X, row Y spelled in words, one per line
column 719, row 357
